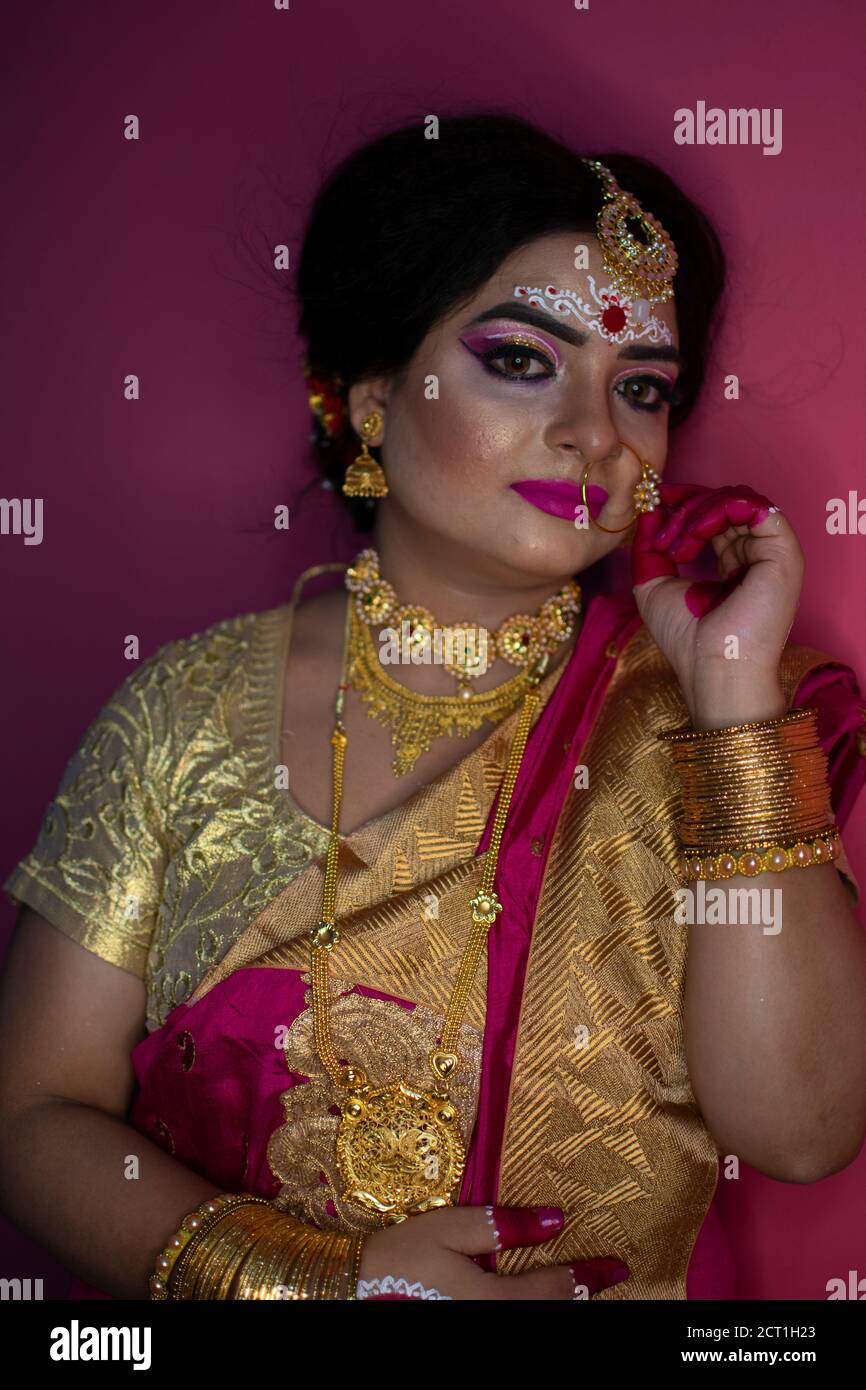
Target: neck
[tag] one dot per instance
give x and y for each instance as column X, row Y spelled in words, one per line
column 445, row 578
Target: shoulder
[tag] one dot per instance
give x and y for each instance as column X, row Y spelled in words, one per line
column 189, row 673
column 143, row 729
column 207, row 658
column 317, row 627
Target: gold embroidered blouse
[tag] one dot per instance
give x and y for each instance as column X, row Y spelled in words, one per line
column 169, row 833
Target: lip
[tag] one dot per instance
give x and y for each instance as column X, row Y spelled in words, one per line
column 558, row 497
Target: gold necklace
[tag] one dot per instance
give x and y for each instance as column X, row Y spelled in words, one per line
column 464, row 649
column 399, row 1149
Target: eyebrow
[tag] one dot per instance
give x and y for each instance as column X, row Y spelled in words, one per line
column 639, row 352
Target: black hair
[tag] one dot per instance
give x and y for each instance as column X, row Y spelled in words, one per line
column 432, row 219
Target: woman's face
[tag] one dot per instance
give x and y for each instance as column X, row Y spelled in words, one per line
column 491, row 400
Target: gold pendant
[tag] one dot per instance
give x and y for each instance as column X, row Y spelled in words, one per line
column 399, row 1150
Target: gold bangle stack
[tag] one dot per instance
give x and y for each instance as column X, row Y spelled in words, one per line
column 251, row 1251
column 195, row 1223
column 755, row 798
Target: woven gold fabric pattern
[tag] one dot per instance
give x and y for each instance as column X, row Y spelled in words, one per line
column 602, row 1120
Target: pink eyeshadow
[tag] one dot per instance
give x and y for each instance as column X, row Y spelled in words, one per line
column 480, row 341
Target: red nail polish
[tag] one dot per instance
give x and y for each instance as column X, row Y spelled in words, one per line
column 550, row 1218
column 598, row 1274
column 517, row 1226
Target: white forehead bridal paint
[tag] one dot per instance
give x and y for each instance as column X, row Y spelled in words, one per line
column 617, row 319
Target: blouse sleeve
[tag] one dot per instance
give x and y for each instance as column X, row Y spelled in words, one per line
column 96, row 869
column 832, row 690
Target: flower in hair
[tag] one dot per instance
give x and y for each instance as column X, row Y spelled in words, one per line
column 325, row 399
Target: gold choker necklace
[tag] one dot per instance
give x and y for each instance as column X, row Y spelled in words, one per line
column 464, row 649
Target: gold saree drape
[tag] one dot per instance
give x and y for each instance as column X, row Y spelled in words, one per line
column 601, row 1118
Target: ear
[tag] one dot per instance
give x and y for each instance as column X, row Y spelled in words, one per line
column 365, row 397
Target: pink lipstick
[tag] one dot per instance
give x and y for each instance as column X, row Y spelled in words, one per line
column 558, row 497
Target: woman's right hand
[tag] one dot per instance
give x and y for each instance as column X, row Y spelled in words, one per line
column 435, row 1250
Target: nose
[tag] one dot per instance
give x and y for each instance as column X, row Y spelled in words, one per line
column 582, row 424
column 620, row 481
column 600, row 450
column 588, row 440
column 613, row 463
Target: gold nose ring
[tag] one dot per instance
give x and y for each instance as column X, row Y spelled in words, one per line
column 646, row 493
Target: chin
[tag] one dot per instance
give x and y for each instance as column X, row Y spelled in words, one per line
column 550, row 547
column 542, row 560
column 542, row 546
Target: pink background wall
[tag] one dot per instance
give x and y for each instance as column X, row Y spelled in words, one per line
column 141, row 257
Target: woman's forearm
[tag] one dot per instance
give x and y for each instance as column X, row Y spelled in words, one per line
column 774, row 1014
column 63, row 1181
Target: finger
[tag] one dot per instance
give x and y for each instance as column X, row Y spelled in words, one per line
column 704, row 515
column 484, row 1230
column 685, row 549
column 728, row 550
column 580, row 1280
column 775, row 524
column 591, row 1276
column 674, row 494
column 519, row 1226
column 646, row 562
column 776, row 537
column 652, row 555
column 677, row 518
column 696, row 515
column 730, row 506
column 706, row 594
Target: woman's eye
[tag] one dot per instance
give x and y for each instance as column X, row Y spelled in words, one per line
column 518, row 362
column 646, row 392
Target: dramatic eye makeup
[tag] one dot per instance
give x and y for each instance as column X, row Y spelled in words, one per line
column 662, row 391
column 518, row 352
column 518, row 356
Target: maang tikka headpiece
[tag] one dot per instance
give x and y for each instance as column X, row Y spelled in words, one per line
column 641, row 271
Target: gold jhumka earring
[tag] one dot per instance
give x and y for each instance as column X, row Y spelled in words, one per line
column 365, row 477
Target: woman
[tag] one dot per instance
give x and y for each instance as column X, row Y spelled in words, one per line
column 425, row 997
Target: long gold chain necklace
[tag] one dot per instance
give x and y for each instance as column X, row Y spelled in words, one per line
column 464, row 649
column 399, row 1149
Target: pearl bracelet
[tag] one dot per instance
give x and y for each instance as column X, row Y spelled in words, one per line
column 195, row 1223
column 823, row 849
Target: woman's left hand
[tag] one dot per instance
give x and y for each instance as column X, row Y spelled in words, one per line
column 723, row 638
